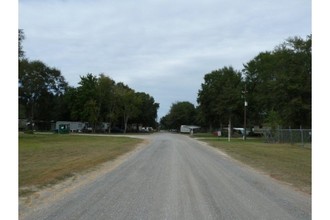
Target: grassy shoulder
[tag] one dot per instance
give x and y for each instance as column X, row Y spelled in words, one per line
column 285, row 162
column 47, row 158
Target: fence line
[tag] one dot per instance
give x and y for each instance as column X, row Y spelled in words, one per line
column 292, row 136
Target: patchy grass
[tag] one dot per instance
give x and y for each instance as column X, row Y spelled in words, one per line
column 285, row 162
column 204, row 135
column 47, row 158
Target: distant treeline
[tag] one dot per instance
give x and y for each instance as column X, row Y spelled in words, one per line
column 45, row 96
column 275, row 84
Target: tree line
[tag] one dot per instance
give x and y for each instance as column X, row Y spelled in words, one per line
column 276, row 85
column 45, row 96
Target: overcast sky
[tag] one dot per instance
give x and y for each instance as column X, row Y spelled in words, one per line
column 161, row 47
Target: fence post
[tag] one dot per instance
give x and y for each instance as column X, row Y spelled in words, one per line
column 290, row 131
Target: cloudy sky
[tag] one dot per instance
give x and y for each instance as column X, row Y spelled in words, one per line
column 161, row 47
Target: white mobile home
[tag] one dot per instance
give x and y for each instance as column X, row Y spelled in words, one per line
column 75, row 126
column 188, row 128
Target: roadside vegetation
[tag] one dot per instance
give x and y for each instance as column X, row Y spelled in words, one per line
column 47, row 158
column 45, row 97
column 274, row 88
column 284, row 162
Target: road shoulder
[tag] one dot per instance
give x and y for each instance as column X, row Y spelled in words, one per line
column 54, row 192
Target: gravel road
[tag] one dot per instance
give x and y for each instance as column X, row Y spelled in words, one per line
column 177, row 177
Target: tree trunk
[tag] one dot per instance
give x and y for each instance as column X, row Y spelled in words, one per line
column 229, row 129
column 125, row 123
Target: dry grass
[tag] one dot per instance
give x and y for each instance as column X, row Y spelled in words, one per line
column 285, row 162
column 47, row 158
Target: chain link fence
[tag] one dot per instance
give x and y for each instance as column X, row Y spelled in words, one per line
column 299, row 136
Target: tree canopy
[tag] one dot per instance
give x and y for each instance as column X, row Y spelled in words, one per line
column 44, row 95
column 181, row 113
column 220, row 96
column 280, row 81
column 39, row 86
column 276, row 86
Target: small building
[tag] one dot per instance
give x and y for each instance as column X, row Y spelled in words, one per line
column 188, row 128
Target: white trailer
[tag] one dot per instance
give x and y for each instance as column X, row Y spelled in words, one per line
column 188, row 128
column 184, row 129
column 75, row 126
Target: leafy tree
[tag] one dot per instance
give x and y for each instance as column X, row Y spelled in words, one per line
column 86, row 93
column 200, row 118
column 220, row 97
column 21, row 37
column 181, row 113
column 165, row 122
column 45, row 95
column 280, row 81
column 108, row 99
column 61, row 107
column 71, row 103
column 41, row 88
column 260, row 82
column 92, row 110
column 148, row 110
column 39, row 85
column 129, row 103
column 101, row 99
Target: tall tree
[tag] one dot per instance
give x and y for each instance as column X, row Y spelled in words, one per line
column 108, row 99
column 86, row 93
column 38, row 84
column 69, row 101
column 220, row 96
column 181, row 113
column 280, row 82
column 129, row 103
column 45, row 95
column 92, row 110
column 147, row 110
column 21, row 37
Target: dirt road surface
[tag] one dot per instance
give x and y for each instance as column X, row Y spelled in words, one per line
column 172, row 177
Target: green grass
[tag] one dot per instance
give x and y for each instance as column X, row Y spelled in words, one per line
column 47, row 158
column 204, row 135
column 285, row 162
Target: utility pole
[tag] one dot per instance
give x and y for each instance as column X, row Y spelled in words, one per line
column 245, row 105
